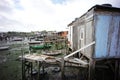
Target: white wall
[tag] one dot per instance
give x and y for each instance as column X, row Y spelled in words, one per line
column 70, row 34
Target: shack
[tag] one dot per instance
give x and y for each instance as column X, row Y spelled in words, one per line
column 96, row 35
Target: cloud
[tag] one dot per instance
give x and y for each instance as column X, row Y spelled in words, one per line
column 37, row 15
column 5, row 6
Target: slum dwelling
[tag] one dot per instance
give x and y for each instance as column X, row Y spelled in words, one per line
column 95, row 40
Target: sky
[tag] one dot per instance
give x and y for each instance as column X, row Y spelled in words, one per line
column 38, row 15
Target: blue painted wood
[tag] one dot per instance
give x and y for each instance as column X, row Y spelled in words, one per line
column 115, row 38
column 101, row 35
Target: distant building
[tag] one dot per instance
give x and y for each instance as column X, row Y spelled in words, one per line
column 63, row 34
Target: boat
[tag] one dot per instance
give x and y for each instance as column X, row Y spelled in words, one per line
column 4, row 48
column 17, row 39
column 34, row 42
column 53, row 53
column 36, row 47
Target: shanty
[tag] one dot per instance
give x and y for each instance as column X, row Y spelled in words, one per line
column 88, row 48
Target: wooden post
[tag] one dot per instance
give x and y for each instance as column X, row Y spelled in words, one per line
column 26, row 69
column 23, row 66
column 118, row 69
column 91, row 69
column 23, row 69
column 62, row 69
column 116, row 74
column 39, row 63
column 31, row 68
column 43, row 69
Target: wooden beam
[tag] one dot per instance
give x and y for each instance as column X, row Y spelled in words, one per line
column 91, row 69
column 76, row 60
column 80, row 50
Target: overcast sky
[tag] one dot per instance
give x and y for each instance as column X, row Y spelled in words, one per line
column 38, row 15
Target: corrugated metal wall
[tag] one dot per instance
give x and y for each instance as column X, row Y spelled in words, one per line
column 107, row 36
column 114, row 31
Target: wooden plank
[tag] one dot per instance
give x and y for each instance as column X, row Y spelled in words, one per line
column 75, row 60
column 71, row 64
column 80, row 50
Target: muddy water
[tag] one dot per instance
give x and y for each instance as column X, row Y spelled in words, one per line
column 9, row 66
column 70, row 74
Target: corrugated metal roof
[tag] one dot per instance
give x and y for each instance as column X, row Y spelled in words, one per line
column 106, row 8
column 97, row 8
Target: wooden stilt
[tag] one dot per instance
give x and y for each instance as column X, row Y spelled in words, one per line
column 31, row 68
column 116, row 70
column 23, row 66
column 43, row 67
column 119, row 69
column 91, row 69
column 62, row 69
column 39, row 63
column 23, row 69
column 102, row 75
